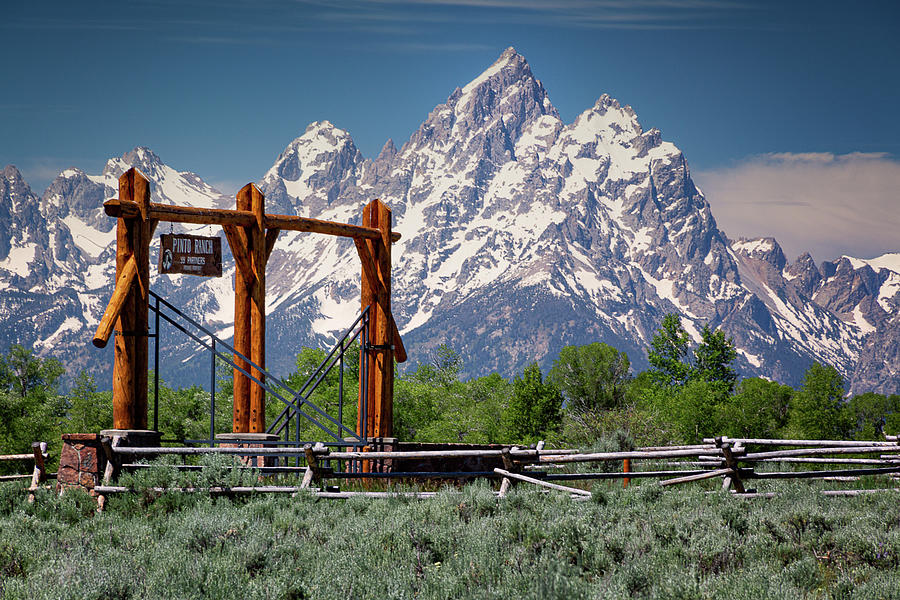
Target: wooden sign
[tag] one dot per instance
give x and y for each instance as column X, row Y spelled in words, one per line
column 190, row 255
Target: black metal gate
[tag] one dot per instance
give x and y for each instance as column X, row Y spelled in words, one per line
column 297, row 404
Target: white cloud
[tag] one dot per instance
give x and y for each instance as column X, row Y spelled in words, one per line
column 598, row 14
column 823, row 203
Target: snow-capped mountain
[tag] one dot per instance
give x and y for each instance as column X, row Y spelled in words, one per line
column 57, row 273
column 520, row 234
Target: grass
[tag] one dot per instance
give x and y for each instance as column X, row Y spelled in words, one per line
column 641, row 542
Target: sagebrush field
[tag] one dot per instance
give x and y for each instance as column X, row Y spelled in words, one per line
column 640, row 542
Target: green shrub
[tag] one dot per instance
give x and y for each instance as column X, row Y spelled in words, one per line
column 641, row 542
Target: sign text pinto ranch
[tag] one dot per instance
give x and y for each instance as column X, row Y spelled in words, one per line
column 190, row 255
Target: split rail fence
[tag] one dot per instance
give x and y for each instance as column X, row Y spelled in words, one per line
column 39, row 474
column 729, row 459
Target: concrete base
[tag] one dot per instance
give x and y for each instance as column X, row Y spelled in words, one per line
column 249, row 440
column 136, row 438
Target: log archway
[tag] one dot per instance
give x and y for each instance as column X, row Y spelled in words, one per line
column 251, row 235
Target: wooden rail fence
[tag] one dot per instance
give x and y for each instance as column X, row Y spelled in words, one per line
column 39, row 474
column 721, row 457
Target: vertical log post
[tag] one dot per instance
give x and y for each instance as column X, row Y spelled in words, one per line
column 376, row 295
column 238, row 240
column 131, row 356
column 258, row 310
column 365, row 413
column 384, row 372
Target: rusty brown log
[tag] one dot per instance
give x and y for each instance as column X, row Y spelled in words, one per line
column 143, row 233
column 116, row 302
column 131, row 356
column 271, row 238
column 257, row 236
column 384, row 375
column 243, row 281
column 368, row 265
column 120, row 208
column 240, row 248
column 367, row 299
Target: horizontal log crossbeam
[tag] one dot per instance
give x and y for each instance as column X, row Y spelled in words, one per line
column 223, row 216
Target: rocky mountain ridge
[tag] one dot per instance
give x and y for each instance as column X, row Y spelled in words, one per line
column 521, row 234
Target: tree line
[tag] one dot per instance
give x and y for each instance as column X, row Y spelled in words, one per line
column 589, row 393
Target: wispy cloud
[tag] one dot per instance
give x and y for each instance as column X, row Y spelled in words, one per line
column 605, row 14
column 39, row 171
column 437, row 47
column 37, row 108
column 412, row 25
column 824, row 203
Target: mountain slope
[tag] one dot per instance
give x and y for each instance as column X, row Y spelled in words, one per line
column 520, row 234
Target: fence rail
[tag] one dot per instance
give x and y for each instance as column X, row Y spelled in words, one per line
column 39, row 473
column 724, row 458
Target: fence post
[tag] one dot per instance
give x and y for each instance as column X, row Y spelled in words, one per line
column 367, row 359
column 731, row 462
column 39, row 475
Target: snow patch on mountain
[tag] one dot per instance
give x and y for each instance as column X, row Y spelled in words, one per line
column 19, row 259
column 520, row 234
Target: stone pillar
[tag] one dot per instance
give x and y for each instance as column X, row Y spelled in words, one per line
column 81, row 462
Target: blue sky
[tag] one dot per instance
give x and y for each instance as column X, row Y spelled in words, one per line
column 755, row 93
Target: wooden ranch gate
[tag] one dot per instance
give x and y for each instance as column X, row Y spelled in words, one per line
column 251, row 234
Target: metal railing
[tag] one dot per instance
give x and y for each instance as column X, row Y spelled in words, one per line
column 358, row 330
column 297, row 405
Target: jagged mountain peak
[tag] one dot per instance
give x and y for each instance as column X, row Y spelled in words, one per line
column 766, row 249
column 11, row 173
column 75, row 192
column 388, row 151
column 319, row 141
column 14, row 190
column 324, row 128
column 141, row 157
column 889, row 261
column 511, row 65
column 804, row 274
column 475, row 132
column 621, row 120
column 312, row 170
column 509, row 80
